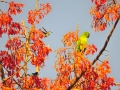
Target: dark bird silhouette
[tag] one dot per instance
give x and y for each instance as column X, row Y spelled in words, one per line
column 46, row 33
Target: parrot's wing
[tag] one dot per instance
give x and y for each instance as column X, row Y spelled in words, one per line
column 78, row 45
column 84, row 42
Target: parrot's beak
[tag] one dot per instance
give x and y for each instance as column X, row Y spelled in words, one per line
column 88, row 35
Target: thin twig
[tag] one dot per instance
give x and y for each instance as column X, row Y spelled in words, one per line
column 16, row 72
column 17, row 83
column 2, row 71
column 13, row 78
column 114, row 1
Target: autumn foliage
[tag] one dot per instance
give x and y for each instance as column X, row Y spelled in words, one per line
column 74, row 69
column 104, row 12
column 31, row 49
column 71, row 64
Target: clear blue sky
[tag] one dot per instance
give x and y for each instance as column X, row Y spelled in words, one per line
column 64, row 16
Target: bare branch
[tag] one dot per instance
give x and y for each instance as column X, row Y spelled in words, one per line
column 114, row 1
column 17, row 83
column 2, row 71
column 106, row 42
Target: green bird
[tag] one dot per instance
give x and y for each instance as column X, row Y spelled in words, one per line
column 46, row 33
column 82, row 42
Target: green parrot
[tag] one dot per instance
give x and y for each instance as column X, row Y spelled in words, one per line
column 82, row 42
column 47, row 33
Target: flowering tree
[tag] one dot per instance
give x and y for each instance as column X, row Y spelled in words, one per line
column 24, row 45
column 74, row 70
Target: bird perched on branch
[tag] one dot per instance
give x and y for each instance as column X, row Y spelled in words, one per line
column 46, row 33
column 82, row 42
column 36, row 72
column 33, row 74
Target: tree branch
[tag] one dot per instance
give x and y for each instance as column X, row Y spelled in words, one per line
column 99, row 54
column 16, row 71
column 2, row 71
column 71, row 86
column 106, row 42
column 17, row 84
column 114, row 1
